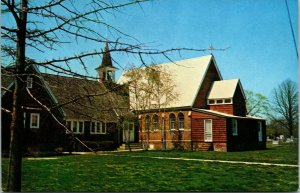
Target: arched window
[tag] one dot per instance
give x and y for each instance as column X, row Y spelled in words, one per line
column 181, row 121
column 155, row 122
column 147, row 123
column 172, row 121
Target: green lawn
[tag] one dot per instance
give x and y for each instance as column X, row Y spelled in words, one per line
column 121, row 172
column 284, row 153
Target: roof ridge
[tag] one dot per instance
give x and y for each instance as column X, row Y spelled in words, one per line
column 183, row 60
column 70, row 77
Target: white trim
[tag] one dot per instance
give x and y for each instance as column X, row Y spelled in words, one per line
column 37, row 119
column 180, row 128
column 98, row 127
column 172, row 129
column 208, row 133
column 157, row 123
column 77, row 126
column 223, row 101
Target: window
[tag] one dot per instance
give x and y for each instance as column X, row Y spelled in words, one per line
column 103, row 128
column 172, row 121
column 208, row 130
column 155, row 122
column 77, row 127
column 34, row 120
column 234, row 127
column 219, row 101
column 211, row 101
column 227, row 100
column 260, row 136
column 181, row 121
column 147, row 123
column 29, row 82
column 98, row 128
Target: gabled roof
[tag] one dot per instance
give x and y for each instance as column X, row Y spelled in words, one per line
column 78, row 98
column 223, row 89
column 188, row 76
column 86, row 99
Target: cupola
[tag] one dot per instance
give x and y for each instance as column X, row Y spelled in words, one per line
column 106, row 70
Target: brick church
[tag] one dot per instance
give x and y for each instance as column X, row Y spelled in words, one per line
column 209, row 113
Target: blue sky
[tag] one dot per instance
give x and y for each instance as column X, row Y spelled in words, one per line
column 261, row 51
column 256, row 32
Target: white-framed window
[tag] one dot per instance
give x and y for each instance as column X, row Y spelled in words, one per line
column 29, row 82
column 76, row 126
column 219, row 101
column 260, row 134
column 147, row 123
column 98, row 128
column 103, row 128
column 34, row 120
column 155, row 122
column 234, row 127
column 172, row 121
column 181, row 121
column 227, row 101
column 208, row 135
column 211, row 102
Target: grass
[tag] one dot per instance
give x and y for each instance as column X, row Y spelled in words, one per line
column 284, row 154
column 121, row 172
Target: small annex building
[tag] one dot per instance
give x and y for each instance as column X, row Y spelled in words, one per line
column 209, row 113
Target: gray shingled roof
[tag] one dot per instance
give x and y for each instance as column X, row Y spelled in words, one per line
column 80, row 98
column 86, row 99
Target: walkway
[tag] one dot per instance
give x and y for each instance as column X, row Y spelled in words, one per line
column 217, row 161
column 191, row 159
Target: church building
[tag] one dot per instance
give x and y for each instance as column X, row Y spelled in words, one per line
column 209, row 113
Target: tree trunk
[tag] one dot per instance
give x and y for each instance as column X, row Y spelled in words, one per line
column 16, row 128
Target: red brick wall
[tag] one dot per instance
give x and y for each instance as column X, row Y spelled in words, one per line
column 172, row 139
column 212, row 75
column 219, row 132
column 225, row 108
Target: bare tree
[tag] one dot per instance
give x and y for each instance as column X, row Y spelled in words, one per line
column 150, row 87
column 46, row 26
column 285, row 105
column 257, row 104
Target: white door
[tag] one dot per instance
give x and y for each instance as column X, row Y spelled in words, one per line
column 128, row 132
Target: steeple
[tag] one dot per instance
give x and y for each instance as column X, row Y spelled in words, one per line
column 106, row 70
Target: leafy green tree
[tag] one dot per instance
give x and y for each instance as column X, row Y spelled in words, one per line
column 257, row 104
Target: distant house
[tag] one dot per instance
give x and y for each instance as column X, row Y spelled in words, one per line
column 210, row 113
column 94, row 111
